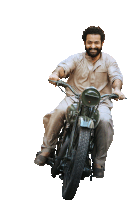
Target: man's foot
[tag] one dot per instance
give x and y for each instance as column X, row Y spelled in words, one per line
column 97, row 166
column 41, row 158
column 98, row 171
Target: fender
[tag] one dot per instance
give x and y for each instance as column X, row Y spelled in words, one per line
column 85, row 121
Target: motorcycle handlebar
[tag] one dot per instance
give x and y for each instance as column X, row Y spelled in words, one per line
column 64, row 84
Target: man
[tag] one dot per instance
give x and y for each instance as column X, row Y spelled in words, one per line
column 91, row 68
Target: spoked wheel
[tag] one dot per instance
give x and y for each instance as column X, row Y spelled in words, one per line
column 74, row 169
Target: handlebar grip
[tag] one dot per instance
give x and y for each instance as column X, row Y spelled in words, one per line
column 114, row 96
column 52, row 81
column 59, row 83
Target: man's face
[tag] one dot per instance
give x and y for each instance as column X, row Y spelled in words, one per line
column 93, row 45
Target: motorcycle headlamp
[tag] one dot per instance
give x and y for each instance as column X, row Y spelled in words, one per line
column 90, row 97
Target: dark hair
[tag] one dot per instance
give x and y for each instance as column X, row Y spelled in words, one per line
column 93, row 30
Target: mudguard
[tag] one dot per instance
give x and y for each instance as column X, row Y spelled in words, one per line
column 85, row 121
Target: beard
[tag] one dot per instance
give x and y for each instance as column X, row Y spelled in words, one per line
column 95, row 51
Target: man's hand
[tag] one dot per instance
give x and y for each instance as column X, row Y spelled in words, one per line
column 119, row 93
column 53, row 77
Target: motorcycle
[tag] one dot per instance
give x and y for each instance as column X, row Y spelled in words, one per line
column 72, row 159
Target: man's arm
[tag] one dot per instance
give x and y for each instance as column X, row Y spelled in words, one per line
column 57, row 74
column 65, row 67
column 59, row 71
column 117, row 84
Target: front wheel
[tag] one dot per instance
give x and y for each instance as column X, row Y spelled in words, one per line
column 74, row 168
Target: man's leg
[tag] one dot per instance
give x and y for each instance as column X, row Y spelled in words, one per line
column 103, row 136
column 53, row 123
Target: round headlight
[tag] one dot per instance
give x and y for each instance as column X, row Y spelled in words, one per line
column 90, row 97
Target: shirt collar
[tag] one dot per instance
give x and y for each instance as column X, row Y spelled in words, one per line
column 97, row 63
column 89, row 57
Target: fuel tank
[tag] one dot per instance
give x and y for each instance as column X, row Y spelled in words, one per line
column 72, row 111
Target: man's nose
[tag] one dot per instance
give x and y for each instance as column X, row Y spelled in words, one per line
column 93, row 45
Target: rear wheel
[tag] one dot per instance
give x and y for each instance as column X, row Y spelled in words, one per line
column 74, row 169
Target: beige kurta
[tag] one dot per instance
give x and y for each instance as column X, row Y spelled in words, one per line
column 83, row 73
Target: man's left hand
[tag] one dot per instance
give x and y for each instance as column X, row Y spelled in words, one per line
column 119, row 93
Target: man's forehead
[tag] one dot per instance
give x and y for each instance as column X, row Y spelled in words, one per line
column 93, row 37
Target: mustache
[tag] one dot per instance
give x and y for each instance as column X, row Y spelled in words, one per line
column 93, row 48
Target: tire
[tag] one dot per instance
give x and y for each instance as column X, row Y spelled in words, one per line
column 74, row 168
column 60, row 155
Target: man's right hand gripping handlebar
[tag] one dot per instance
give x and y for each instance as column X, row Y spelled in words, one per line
column 54, row 77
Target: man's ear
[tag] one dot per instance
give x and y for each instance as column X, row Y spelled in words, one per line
column 84, row 42
column 102, row 43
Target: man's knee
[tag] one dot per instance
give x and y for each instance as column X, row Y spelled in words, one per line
column 105, row 117
column 58, row 112
column 106, row 125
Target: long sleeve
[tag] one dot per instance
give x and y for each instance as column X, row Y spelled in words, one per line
column 68, row 65
column 114, row 71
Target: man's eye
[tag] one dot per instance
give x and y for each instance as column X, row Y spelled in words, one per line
column 89, row 42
